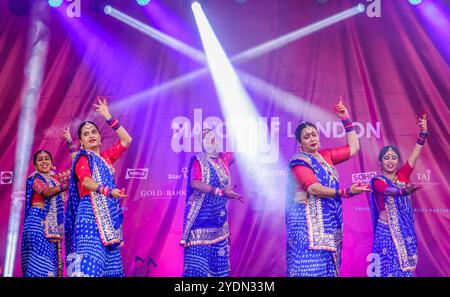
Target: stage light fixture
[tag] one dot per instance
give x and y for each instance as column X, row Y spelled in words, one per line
column 415, row 2
column 143, row 2
column 55, row 3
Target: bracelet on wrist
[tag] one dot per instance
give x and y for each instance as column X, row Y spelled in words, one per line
column 350, row 194
column 422, row 137
column 345, row 193
column 348, row 125
column 72, row 147
column 114, row 123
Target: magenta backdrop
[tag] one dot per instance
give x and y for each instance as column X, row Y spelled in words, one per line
column 388, row 68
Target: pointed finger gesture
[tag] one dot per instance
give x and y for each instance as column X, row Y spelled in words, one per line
column 340, row 109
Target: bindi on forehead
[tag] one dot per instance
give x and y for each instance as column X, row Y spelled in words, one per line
column 309, row 131
column 210, row 135
column 43, row 155
column 92, row 129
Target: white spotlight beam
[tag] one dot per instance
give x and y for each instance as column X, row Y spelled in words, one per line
column 224, row 76
column 297, row 34
column 244, row 56
column 156, row 34
column 233, row 98
column 243, row 125
column 34, row 70
column 289, row 102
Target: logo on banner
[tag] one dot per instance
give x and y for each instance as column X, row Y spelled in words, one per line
column 139, row 173
column 424, row 179
column 6, row 177
column 255, row 173
column 259, row 137
column 363, row 176
column 159, row 194
column 175, row 176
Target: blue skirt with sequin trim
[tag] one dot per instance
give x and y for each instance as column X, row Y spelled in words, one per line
column 300, row 259
column 91, row 257
column 39, row 256
column 385, row 248
column 207, row 260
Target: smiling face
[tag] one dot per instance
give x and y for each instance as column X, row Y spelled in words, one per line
column 309, row 140
column 43, row 162
column 90, row 137
column 390, row 161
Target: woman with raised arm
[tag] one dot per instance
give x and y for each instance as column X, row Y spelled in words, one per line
column 43, row 228
column 94, row 216
column 392, row 213
column 314, row 201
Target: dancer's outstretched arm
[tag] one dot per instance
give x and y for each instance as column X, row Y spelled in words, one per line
column 422, row 122
column 102, row 108
column 352, row 138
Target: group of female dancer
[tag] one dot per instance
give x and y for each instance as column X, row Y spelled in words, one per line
column 91, row 224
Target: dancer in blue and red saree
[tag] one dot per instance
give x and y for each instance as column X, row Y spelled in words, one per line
column 206, row 230
column 313, row 203
column 43, row 228
column 395, row 238
column 94, row 215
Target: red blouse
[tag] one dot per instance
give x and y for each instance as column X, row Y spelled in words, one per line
column 196, row 174
column 39, row 186
column 305, row 176
column 82, row 169
column 380, row 185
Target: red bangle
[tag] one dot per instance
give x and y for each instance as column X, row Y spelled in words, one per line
column 217, row 192
column 344, row 193
column 114, row 123
column 104, row 191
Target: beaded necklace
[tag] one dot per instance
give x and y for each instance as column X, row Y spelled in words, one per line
column 222, row 171
column 330, row 169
